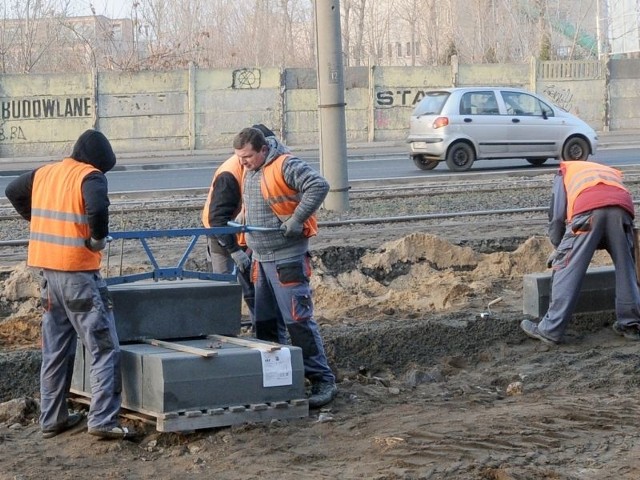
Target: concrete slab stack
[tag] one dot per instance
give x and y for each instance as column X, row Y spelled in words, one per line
column 182, row 364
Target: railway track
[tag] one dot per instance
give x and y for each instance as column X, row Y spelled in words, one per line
column 457, row 210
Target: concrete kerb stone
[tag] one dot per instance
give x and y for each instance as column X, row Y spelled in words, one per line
column 597, row 293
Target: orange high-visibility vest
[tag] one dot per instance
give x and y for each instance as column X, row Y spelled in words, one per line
column 59, row 224
column 231, row 165
column 580, row 175
column 282, row 199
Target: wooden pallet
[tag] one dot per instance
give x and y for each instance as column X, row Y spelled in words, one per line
column 188, row 420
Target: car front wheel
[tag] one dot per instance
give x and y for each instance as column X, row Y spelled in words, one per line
column 423, row 163
column 575, row 148
column 460, row 157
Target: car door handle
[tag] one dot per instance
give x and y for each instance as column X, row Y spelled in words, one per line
column 468, row 120
column 515, row 120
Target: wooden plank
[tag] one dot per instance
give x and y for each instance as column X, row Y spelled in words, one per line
column 181, row 348
column 243, row 342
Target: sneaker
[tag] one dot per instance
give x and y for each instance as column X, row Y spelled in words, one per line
column 531, row 329
column 112, row 433
column 322, row 393
column 71, row 421
column 630, row 333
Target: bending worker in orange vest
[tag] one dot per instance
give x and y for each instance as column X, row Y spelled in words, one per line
column 67, row 205
column 281, row 194
column 591, row 209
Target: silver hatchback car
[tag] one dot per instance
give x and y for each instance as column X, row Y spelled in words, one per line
column 462, row 125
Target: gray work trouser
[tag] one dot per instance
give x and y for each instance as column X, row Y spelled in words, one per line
column 610, row 228
column 77, row 304
column 283, row 305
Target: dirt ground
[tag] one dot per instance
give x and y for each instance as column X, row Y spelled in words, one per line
column 429, row 388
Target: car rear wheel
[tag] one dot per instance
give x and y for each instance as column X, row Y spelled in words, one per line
column 575, row 148
column 460, row 157
column 423, row 163
column 536, row 162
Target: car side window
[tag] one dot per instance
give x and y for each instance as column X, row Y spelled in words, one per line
column 524, row 104
column 479, row 103
column 547, row 111
column 512, row 102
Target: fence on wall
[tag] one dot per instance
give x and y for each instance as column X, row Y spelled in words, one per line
column 193, row 109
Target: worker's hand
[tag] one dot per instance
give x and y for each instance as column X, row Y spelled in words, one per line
column 551, row 258
column 95, row 245
column 242, row 260
column 291, row 228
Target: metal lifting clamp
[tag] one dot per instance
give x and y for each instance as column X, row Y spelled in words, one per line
column 178, row 271
column 168, row 273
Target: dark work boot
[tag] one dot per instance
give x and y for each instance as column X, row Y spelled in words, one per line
column 322, row 393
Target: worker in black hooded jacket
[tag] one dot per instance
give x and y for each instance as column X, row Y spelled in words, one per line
column 67, row 205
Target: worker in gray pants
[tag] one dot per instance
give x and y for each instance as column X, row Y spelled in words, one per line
column 591, row 209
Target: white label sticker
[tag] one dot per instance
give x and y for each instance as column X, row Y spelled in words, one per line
column 276, row 368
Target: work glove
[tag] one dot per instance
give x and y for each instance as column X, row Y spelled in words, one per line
column 551, row 258
column 95, row 245
column 291, row 228
column 242, row 261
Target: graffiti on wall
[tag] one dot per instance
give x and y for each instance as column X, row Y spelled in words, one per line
column 246, row 78
column 40, row 108
column 11, row 133
column 560, row 96
column 399, row 98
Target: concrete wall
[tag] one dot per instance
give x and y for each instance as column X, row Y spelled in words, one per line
column 203, row 109
column 579, row 87
column 624, row 85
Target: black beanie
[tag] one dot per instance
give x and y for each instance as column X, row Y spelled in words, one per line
column 92, row 147
column 265, row 131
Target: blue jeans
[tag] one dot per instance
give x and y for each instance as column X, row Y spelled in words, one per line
column 283, row 305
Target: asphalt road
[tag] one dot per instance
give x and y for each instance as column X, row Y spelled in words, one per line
column 365, row 163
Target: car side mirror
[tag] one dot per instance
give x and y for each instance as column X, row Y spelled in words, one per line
column 544, row 114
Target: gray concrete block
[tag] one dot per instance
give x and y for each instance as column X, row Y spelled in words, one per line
column 176, row 309
column 80, row 380
column 598, row 292
column 158, row 380
column 77, row 380
column 172, row 380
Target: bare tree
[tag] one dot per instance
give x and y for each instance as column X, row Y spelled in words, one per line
column 411, row 12
column 377, row 27
column 38, row 35
column 31, row 33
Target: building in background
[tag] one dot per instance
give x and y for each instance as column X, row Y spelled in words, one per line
column 623, row 19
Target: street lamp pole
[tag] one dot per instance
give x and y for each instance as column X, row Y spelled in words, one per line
column 331, row 104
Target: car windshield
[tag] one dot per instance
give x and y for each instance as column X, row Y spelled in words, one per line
column 431, row 104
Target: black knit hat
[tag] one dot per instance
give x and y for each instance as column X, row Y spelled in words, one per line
column 92, row 147
column 265, row 131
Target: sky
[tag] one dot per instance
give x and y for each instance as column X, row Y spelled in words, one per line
column 108, row 8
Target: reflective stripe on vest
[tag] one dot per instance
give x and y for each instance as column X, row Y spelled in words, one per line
column 59, row 226
column 282, row 199
column 231, row 165
column 579, row 175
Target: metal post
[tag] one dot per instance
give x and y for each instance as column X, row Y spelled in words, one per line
column 331, row 105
